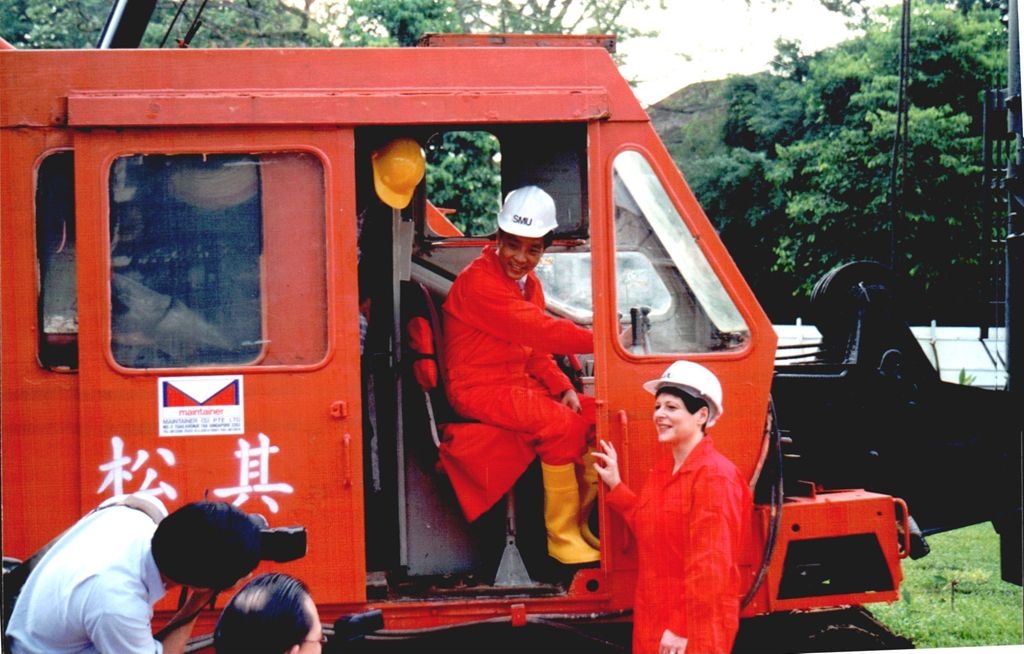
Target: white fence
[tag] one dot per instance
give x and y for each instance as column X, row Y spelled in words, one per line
column 959, row 353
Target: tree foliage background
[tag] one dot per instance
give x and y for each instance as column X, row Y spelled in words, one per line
column 463, row 174
column 795, row 171
column 277, row 23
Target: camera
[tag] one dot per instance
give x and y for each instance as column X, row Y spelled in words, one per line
column 279, row 544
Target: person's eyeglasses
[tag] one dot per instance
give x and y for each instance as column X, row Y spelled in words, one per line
column 322, row 640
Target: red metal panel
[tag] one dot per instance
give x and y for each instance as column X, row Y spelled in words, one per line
column 831, row 514
column 745, row 372
column 286, row 233
column 291, row 405
column 40, row 407
column 38, row 83
column 624, row 410
column 606, row 41
column 349, row 107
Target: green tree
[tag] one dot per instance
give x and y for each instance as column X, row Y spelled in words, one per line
column 245, row 24
column 276, row 23
column 463, row 174
column 805, row 171
column 34, row 24
column 403, row 22
column 379, row 23
column 552, row 16
column 225, row 23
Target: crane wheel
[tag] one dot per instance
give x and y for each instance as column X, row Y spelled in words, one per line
column 841, row 292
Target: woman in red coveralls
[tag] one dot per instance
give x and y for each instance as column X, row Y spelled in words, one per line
column 689, row 521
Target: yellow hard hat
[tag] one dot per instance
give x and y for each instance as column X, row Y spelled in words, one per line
column 397, row 168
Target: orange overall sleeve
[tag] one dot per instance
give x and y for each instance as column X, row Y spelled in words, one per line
column 497, row 308
column 544, row 369
column 623, row 501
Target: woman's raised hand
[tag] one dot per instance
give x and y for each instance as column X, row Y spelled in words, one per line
column 671, row 643
column 607, row 464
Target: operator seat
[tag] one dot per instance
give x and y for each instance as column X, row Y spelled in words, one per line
column 423, row 331
column 454, row 435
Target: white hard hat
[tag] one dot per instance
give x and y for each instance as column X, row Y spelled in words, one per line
column 694, row 379
column 528, row 211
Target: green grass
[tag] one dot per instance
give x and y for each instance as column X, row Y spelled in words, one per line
column 954, row 597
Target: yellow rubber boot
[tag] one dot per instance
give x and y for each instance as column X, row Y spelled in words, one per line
column 561, row 516
column 588, row 496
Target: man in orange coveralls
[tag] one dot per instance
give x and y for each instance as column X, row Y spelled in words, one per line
column 498, row 346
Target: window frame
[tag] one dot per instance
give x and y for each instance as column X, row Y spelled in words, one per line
column 691, row 226
column 40, row 279
column 221, row 144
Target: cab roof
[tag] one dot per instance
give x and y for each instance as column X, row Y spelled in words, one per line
column 481, row 84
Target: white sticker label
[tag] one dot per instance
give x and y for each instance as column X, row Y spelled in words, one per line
column 200, row 406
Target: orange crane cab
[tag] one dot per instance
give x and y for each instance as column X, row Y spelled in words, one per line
column 189, row 237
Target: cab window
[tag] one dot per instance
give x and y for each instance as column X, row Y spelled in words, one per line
column 697, row 314
column 217, row 259
column 55, row 252
column 463, row 183
column 567, row 288
column 469, row 172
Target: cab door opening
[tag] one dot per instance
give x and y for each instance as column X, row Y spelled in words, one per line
column 419, row 543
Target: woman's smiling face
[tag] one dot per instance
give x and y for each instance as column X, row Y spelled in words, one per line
column 674, row 422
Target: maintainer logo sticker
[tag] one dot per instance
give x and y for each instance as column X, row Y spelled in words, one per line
column 200, row 406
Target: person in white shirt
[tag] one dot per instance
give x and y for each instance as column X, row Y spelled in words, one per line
column 94, row 590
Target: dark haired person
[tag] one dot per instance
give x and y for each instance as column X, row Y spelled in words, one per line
column 94, row 590
column 271, row 614
column 689, row 521
column 498, row 347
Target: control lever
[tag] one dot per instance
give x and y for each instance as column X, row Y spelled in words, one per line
column 640, row 319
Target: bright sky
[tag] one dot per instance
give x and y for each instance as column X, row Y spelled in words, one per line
column 709, row 39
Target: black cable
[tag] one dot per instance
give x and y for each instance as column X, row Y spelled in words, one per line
column 900, row 141
column 192, row 28
column 408, row 634
column 576, row 631
column 775, row 509
column 405, row 634
column 173, row 21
